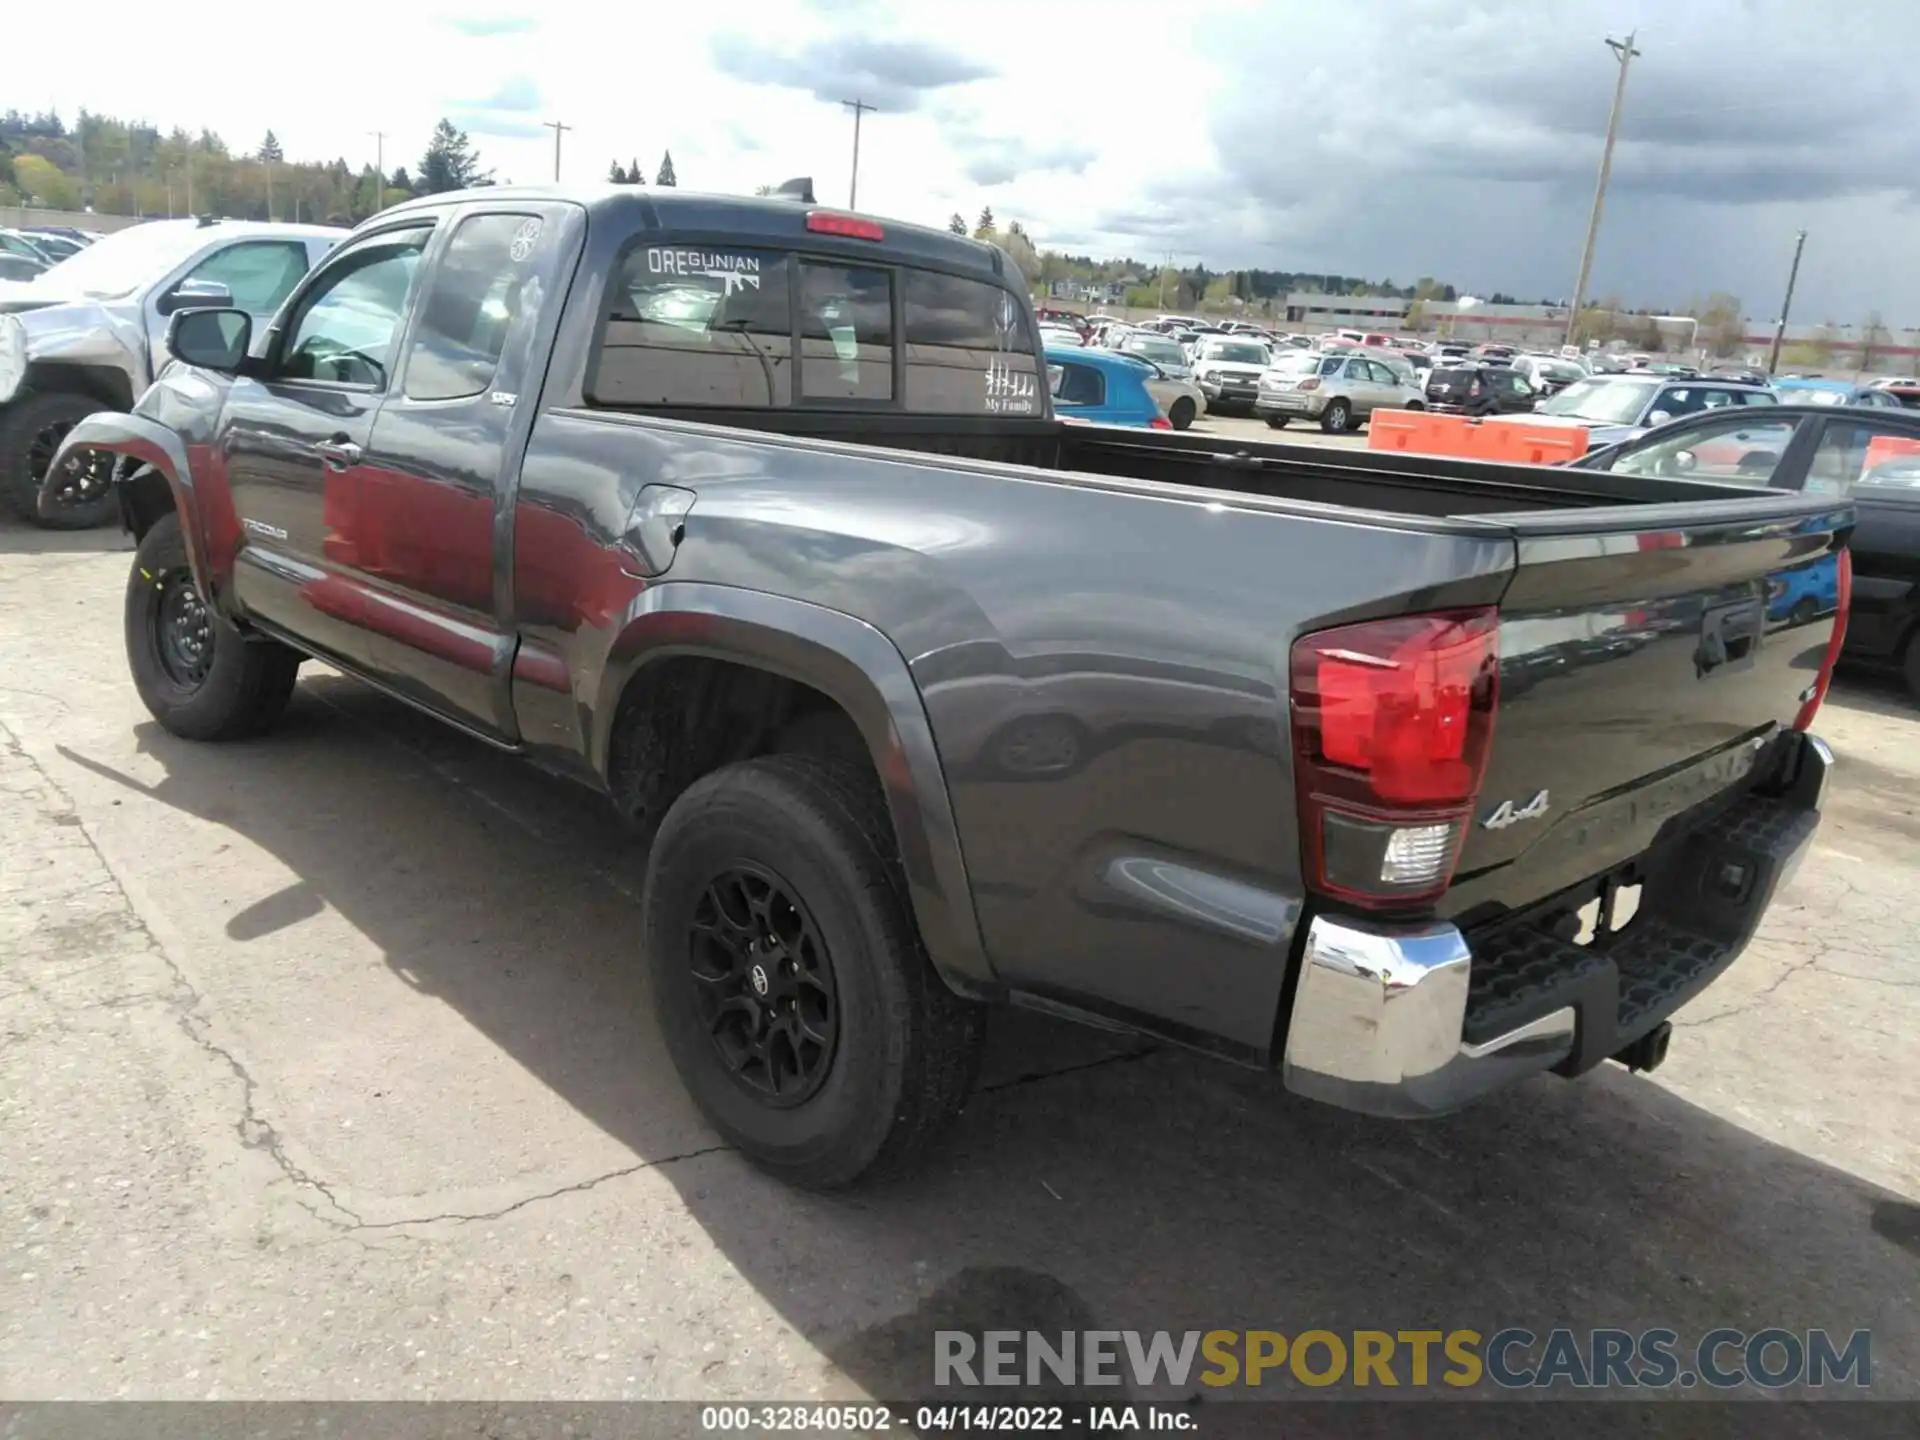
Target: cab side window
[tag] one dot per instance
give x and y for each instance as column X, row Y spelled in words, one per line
column 342, row 332
column 470, row 303
column 259, row 274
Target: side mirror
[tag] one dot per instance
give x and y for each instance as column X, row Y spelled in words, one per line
column 211, row 339
column 1659, row 417
column 196, row 295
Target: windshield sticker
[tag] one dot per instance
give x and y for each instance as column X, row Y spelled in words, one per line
column 524, row 239
column 1009, row 391
column 733, row 271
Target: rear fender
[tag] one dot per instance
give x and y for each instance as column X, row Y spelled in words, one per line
column 858, row 668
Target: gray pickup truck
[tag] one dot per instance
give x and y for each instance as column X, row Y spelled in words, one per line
column 1404, row 778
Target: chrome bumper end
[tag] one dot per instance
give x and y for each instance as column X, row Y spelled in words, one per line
column 1378, row 1018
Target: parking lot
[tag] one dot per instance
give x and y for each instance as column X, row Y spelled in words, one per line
column 327, row 1071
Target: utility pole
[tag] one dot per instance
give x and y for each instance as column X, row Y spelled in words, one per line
column 558, row 130
column 379, row 166
column 1624, row 55
column 859, row 108
column 1780, row 326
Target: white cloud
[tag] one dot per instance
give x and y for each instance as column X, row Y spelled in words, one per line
column 1455, row 138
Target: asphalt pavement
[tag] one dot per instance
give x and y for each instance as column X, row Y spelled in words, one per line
column 326, row 1071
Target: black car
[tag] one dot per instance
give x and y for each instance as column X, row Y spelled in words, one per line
column 1457, row 389
column 1868, row 455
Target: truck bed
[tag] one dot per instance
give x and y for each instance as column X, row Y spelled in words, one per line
column 1382, row 483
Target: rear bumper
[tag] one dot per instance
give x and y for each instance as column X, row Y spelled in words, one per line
column 1288, row 402
column 1416, row 1020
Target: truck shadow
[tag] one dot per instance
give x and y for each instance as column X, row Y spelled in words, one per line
column 1092, row 1183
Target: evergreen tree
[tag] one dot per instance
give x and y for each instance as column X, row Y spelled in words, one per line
column 985, row 229
column 401, row 180
column 450, row 162
column 634, row 177
column 665, row 177
column 958, row 224
column 270, row 150
column 615, row 175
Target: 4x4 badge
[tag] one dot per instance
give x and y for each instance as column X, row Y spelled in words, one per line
column 1511, row 814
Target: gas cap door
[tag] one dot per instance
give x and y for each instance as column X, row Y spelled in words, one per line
column 655, row 528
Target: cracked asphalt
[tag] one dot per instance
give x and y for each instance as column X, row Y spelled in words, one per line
column 325, row 1072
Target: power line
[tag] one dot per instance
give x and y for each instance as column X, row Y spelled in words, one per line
column 1624, row 55
column 859, row 108
column 558, row 130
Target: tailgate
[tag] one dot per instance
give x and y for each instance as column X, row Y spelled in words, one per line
column 1646, row 656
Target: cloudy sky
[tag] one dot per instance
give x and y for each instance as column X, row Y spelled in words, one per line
column 1390, row 138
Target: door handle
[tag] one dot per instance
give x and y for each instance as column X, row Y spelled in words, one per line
column 339, row 453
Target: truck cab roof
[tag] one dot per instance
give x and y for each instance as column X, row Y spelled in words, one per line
column 629, row 210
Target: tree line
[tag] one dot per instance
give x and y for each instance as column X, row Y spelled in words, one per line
column 121, row 167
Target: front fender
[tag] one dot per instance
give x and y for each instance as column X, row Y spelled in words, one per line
column 151, row 443
column 856, row 666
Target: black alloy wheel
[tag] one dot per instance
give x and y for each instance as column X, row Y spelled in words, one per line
column 83, row 495
column 764, row 985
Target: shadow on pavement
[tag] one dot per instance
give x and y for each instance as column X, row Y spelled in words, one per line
column 1090, row 1184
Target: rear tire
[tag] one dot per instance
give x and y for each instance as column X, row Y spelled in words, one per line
column 30, row 431
column 1337, row 418
column 198, row 676
column 1277, row 422
column 1182, row 413
column 813, row 842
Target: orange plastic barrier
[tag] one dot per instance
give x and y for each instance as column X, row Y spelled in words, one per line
column 1419, row 432
column 1883, row 448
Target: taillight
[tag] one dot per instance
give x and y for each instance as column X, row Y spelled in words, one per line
column 1308, row 385
column 1159, row 422
column 1844, row 585
column 854, row 227
column 1392, row 720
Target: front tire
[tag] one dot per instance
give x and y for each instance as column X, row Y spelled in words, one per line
column 198, row 676
column 1277, row 422
column 1337, row 418
column 30, row 433
column 793, row 992
column 1182, row 413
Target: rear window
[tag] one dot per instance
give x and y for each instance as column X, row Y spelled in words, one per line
column 689, row 327
column 696, row 327
column 846, row 331
column 969, row 348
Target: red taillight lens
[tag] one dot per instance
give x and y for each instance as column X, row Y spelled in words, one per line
column 1309, row 385
column 1844, row 585
column 1159, row 422
column 854, row 227
column 1392, row 720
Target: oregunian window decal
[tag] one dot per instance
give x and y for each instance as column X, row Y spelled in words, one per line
column 733, row 270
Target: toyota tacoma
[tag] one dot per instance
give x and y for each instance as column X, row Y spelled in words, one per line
column 1402, row 777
